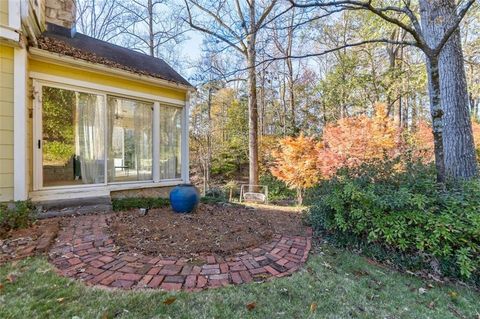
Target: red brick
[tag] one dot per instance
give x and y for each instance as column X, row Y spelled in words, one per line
column 213, row 271
column 96, row 263
column 106, row 259
column 170, row 270
column 130, row 277
column 223, row 268
column 166, row 262
column 174, row 279
column 190, row 281
column 127, row 269
column 196, row 270
column 170, row 286
column 282, row 262
column 122, row 283
column 201, row 281
column 218, row 277
column 107, row 281
column 154, row 271
column 145, row 280
column 236, row 278
column 102, row 276
column 186, row 270
column 214, row 266
column 246, row 277
column 256, row 271
column 271, row 270
column 74, row 261
column 156, row 281
column 94, row 271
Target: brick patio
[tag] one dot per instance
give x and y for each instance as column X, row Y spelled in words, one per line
column 84, row 250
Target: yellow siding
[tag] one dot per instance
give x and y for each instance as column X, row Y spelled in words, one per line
column 4, row 12
column 102, row 79
column 6, row 122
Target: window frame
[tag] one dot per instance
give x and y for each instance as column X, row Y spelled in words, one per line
column 41, row 80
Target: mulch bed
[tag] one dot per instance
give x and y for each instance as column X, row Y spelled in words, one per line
column 212, row 229
column 21, row 243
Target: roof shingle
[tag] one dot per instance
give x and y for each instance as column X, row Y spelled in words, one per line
column 93, row 50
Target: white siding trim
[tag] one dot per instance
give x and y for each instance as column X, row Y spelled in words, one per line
column 14, row 14
column 20, row 191
column 156, row 143
column 9, row 34
column 185, row 138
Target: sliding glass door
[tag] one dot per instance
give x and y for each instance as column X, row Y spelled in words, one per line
column 73, row 141
column 130, row 140
column 88, row 138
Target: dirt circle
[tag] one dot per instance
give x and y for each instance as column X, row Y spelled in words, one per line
column 211, row 229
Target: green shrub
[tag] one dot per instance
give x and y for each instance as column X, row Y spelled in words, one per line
column 16, row 215
column 120, row 204
column 404, row 212
column 277, row 189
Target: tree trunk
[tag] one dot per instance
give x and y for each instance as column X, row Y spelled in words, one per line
column 437, row 117
column 252, row 114
column 459, row 148
column 151, row 36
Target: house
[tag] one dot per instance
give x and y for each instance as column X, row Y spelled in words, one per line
column 81, row 118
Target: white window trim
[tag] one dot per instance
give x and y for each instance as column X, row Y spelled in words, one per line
column 39, row 190
column 95, row 87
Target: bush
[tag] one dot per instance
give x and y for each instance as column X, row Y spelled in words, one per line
column 16, row 215
column 404, row 212
column 277, row 189
column 120, row 204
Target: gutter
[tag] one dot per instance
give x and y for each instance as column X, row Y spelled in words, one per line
column 63, row 60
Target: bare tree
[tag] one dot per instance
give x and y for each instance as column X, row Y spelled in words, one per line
column 101, row 19
column 437, row 35
column 237, row 26
column 155, row 28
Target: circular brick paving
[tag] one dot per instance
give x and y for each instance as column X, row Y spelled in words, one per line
column 84, row 250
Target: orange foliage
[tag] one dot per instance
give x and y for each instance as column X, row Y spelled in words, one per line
column 296, row 162
column 354, row 140
column 302, row 161
column 421, row 141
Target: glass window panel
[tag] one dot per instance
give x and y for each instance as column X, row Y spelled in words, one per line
column 170, row 142
column 129, row 140
column 73, row 148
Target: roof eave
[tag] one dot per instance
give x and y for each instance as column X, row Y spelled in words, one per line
column 60, row 59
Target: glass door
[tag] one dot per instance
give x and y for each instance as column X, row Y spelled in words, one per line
column 73, row 137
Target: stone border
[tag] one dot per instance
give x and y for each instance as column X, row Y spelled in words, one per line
column 84, row 250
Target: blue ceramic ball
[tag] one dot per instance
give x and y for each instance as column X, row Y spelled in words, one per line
column 184, row 198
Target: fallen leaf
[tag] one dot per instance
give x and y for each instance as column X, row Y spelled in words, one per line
column 431, row 305
column 169, row 301
column 422, row 291
column 11, row 278
column 313, row 307
column 453, row 294
column 1, row 286
column 251, row 306
column 60, row 300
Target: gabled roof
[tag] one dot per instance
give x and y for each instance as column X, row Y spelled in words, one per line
column 59, row 40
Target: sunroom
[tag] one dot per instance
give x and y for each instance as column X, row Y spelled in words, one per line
column 103, row 119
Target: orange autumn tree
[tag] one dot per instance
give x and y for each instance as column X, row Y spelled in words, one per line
column 296, row 163
column 355, row 140
column 420, row 142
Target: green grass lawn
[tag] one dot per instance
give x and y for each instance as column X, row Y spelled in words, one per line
column 337, row 283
